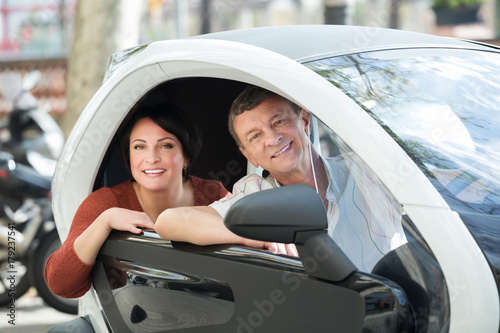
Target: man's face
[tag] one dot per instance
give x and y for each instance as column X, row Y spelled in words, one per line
column 275, row 137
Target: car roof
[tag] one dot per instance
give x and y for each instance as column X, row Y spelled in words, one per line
column 295, row 41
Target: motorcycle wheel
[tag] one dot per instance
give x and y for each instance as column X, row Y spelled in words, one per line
column 8, row 273
column 48, row 244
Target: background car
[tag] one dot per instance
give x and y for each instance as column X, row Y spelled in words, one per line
column 418, row 113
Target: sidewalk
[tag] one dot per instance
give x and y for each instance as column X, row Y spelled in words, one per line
column 32, row 315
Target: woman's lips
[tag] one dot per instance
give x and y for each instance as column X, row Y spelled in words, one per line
column 154, row 171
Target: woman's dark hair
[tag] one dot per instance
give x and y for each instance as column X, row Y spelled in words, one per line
column 171, row 119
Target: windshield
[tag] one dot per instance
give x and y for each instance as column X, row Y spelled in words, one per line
column 443, row 108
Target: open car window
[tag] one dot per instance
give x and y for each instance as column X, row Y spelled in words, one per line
column 206, row 101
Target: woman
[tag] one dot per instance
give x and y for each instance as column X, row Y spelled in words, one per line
column 158, row 148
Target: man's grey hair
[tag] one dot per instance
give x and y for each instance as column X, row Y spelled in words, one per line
column 249, row 99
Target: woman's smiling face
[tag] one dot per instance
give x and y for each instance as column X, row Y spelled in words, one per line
column 156, row 156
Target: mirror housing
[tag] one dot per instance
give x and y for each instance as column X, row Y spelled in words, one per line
column 292, row 214
column 278, row 215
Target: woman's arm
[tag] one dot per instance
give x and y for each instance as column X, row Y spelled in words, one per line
column 89, row 242
column 67, row 270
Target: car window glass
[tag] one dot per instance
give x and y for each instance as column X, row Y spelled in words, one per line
column 443, row 108
column 372, row 228
column 364, row 219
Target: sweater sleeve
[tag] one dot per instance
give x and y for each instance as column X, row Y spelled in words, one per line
column 66, row 275
column 207, row 191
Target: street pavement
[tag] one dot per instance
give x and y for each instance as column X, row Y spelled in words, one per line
column 32, row 315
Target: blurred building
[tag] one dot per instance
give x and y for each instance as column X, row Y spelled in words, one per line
column 37, row 34
column 168, row 19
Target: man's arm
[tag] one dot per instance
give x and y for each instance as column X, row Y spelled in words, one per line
column 202, row 225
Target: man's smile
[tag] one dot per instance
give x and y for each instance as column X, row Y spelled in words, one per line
column 282, row 150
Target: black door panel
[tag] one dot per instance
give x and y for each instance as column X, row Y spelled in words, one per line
column 146, row 284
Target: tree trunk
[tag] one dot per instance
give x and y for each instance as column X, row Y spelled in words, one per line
column 206, row 16
column 336, row 12
column 394, row 14
column 101, row 28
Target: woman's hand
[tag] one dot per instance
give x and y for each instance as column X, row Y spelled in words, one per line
column 89, row 242
column 127, row 220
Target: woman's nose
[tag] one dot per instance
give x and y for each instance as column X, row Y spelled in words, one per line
column 153, row 156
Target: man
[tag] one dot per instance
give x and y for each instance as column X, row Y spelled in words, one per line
column 273, row 133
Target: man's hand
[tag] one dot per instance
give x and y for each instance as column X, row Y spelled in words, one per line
column 289, row 249
column 282, row 248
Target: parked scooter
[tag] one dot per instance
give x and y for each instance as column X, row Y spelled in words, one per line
column 28, row 236
column 30, row 134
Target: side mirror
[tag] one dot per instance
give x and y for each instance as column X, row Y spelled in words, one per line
column 292, row 214
column 278, row 215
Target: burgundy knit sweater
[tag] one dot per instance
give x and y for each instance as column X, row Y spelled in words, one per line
column 65, row 273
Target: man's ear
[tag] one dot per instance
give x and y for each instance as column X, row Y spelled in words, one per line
column 304, row 115
column 244, row 152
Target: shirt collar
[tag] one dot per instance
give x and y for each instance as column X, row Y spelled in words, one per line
column 336, row 170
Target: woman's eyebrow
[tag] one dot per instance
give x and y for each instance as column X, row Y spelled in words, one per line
column 167, row 138
column 159, row 140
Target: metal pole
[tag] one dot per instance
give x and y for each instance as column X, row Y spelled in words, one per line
column 182, row 18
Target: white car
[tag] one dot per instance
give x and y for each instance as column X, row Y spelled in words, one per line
column 419, row 113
